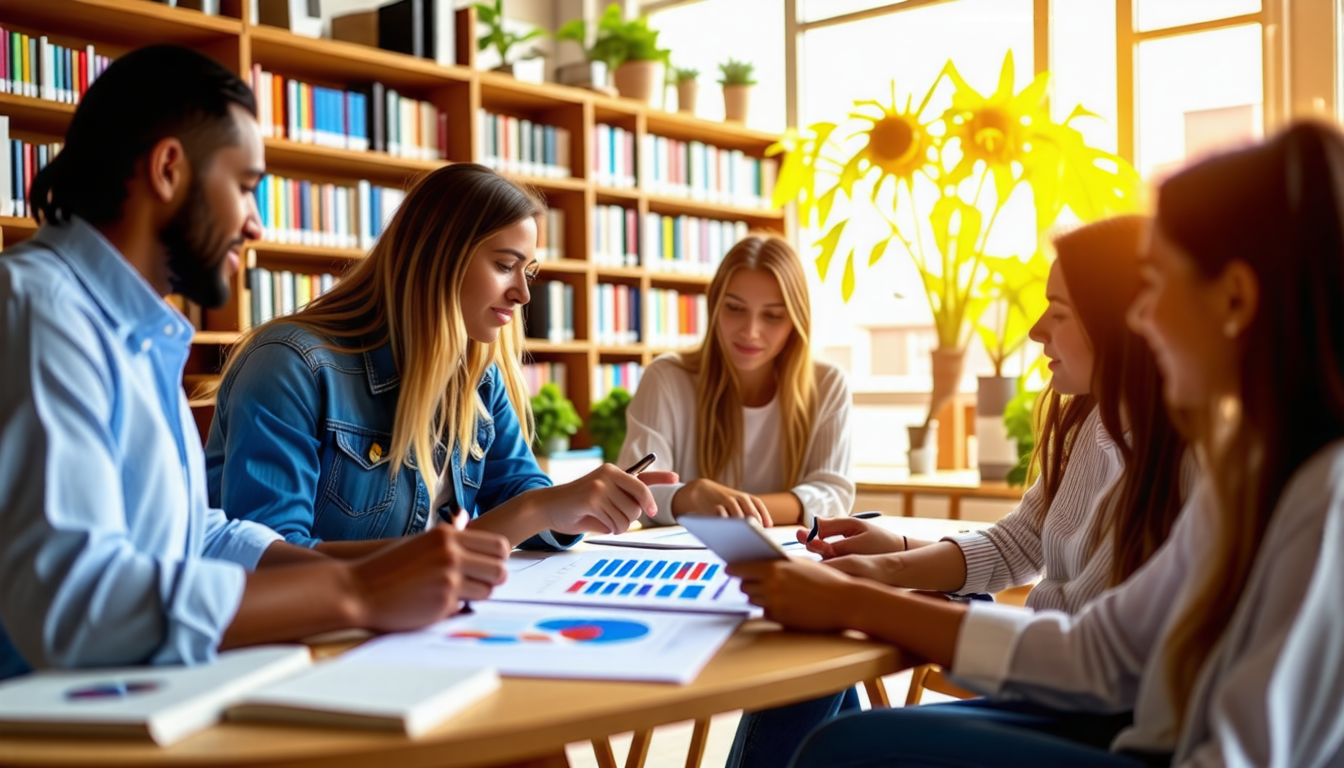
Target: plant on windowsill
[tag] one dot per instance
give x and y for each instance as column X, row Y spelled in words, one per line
column 737, row 81
column 1020, row 423
column 492, row 16
column 555, row 418
column 607, row 423
column 953, row 172
column 688, row 88
column 628, row 48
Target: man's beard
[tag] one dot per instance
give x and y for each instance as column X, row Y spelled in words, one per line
column 197, row 253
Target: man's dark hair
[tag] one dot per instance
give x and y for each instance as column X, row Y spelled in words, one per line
column 142, row 98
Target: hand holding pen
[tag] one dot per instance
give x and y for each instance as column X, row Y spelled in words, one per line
column 606, row 500
column 860, row 537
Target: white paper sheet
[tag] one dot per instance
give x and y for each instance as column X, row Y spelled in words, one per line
column 524, row 640
column 676, row 537
column 629, row 578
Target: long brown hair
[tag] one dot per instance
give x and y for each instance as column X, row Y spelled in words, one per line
column 1100, row 265
column 1278, row 208
column 718, row 400
column 406, row 292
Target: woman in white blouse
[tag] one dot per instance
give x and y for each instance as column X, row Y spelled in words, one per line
column 1227, row 643
column 752, row 424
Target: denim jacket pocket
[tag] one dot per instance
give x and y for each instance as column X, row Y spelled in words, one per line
column 360, row 481
column 474, row 471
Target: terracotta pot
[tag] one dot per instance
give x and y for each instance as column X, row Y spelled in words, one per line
column 923, row 454
column 639, row 80
column 947, row 365
column 736, row 102
column 687, row 91
column 997, row 451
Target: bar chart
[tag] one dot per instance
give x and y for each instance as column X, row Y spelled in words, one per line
column 673, row 581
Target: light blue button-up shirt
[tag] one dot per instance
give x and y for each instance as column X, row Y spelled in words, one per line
column 109, row 552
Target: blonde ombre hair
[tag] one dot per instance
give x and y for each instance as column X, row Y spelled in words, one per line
column 405, row 292
column 718, row 400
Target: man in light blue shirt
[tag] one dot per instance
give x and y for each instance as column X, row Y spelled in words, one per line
column 109, row 551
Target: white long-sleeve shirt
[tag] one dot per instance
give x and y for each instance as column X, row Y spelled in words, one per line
column 1271, row 691
column 661, row 419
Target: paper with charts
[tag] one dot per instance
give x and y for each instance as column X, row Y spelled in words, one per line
column 669, row 581
column 533, row 640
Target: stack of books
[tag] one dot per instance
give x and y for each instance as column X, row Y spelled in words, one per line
column 700, row 171
column 36, row 67
column 276, row 293
column 613, row 156
column 310, row 213
column 675, row 319
column 615, row 236
column 19, row 163
column 518, row 145
column 615, row 313
column 688, row 245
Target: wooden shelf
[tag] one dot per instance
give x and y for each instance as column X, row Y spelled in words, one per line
column 283, row 156
column 122, row 22
column 621, row 350
column 677, row 280
column 675, row 125
column 540, row 346
column 685, row 206
column 550, row 184
column 501, row 91
column 36, row 115
column 215, row 337
column 291, row 251
column 616, row 196
column 620, row 273
column 569, row 266
column 337, row 61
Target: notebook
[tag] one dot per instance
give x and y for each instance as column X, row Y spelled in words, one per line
column 412, row 699
column 165, row 704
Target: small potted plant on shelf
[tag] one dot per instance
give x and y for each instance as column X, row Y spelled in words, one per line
column 556, row 420
column 607, row 423
column 629, row 49
column 503, row 40
column 688, row 88
column 737, row 81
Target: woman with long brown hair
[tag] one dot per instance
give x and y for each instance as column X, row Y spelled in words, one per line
column 397, row 398
column 1111, row 475
column 750, row 422
column 1226, row 643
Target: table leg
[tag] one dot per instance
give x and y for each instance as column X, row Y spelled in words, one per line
column 639, row 749
column 602, row 751
column 908, row 504
column 699, row 735
column 877, row 693
column 954, row 506
column 917, row 676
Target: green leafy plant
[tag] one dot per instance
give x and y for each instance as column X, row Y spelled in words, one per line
column 734, row 72
column 1020, row 424
column 607, row 422
column 680, row 75
column 1015, row 296
column 554, row 415
column 492, row 15
column 618, row 40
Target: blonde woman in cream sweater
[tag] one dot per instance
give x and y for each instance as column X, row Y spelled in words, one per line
column 751, row 423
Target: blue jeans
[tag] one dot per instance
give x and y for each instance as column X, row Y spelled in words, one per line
column 970, row 733
column 769, row 738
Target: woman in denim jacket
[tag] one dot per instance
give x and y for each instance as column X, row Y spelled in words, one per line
column 323, row 416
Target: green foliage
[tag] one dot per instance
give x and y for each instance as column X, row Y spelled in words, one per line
column 554, row 414
column 503, row 40
column 1015, row 294
column 1017, row 419
column 683, row 75
column 734, row 72
column 618, row 40
column 607, row 423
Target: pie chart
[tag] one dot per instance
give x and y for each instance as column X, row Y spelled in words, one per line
column 595, row 630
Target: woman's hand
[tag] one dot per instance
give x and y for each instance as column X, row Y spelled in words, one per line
column 798, row 593
column 706, row 497
column 876, row 567
column 860, row 538
column 606, row 500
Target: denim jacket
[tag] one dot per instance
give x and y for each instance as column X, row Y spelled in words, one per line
column 300, row 442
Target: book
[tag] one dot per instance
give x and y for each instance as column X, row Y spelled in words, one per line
column 165, row 704
column 411, row 699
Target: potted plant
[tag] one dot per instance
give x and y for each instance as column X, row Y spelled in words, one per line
column 556, row 420
column 628, row 48
column 688, row 88
column 952, row 172
column 492, row 16
column 1019, row 422
column 607, row 422
column 736, row 79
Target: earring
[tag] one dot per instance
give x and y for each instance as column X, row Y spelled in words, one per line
column 1230, row 330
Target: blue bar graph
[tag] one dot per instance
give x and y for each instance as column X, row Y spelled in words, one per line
column 610, row 588
column 639, row 571
column 628, row 588
column 610, row 569
column 657, row 566
column 671, row 570
column 596, row 567
column 596, row 585
column 666, row 590
column 626, row 569
column 644, row 590
column 710, row 571
column 692, row 592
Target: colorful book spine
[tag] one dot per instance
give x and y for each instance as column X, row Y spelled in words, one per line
column 676, row 320
column 276, row 293
column 615, row 236
column 608, row 376
column 699, row 171
column 38, row 68
column 549, row 316
column 311, row 213
column 615, row 313
column 688, row 245
column 538, row 374
column 25, row 160
column 551, row 239
column 518, row 145
column 613, row 156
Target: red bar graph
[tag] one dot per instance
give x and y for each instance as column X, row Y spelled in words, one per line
column 685, row 569
column 576, row 586
column 699, row 569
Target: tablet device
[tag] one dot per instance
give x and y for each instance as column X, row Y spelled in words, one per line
column 735, row 539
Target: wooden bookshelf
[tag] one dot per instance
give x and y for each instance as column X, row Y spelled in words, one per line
column 115, row 26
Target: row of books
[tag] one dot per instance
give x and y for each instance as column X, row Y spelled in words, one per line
column 550, row 313
column 312, row 213
column 702, row 171
column 551, row 238
column 676, row 319
column 276, row 293
column 608, row 376
column 538, row 374
column 518, row 145
column 368, row 117
column 36, row 67
column 615, row 236
column 688, row 245
column 19, row 163
column 613, row 156
column 615, row 313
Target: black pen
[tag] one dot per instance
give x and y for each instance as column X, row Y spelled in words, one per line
column 642, row 464
column 816, row 523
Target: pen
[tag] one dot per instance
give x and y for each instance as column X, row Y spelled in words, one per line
column 816, row 521
column 866, row 515
column 642, row 464
column 460, row 520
